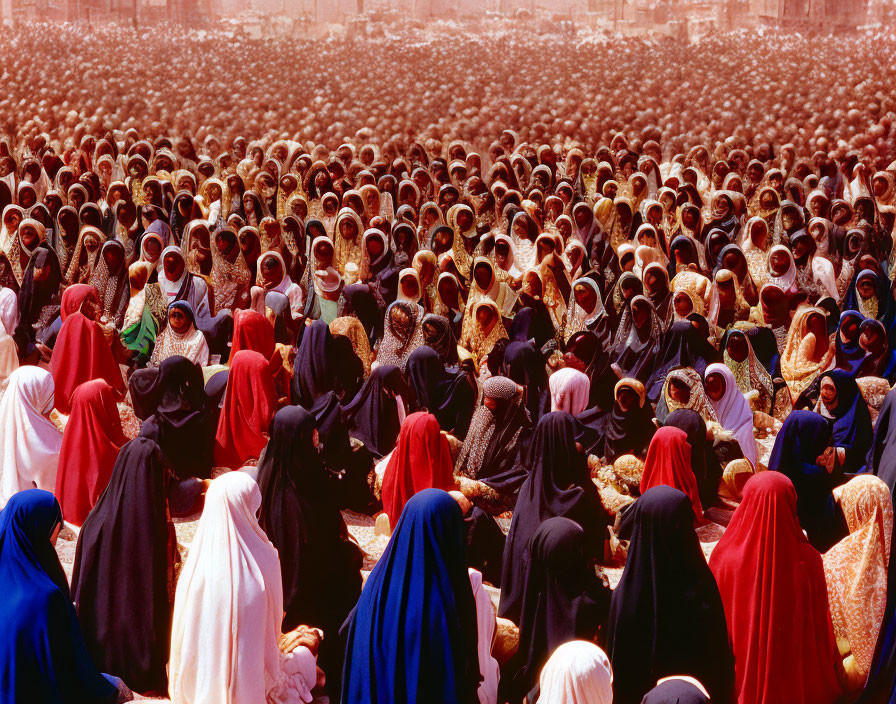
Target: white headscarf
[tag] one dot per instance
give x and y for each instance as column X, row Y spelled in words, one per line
column 485, row 622
column 734, row 412
column 411, row 272
column 9, row 310
column 785, row 280
column 170, row 288
column 228, row 609
column 9, row 320
column 29, row 442
column 570, row 389
column 577, row 673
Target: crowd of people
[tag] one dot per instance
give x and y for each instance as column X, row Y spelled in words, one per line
column 611, row 338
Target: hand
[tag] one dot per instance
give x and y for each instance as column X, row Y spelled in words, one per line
column 301, row 636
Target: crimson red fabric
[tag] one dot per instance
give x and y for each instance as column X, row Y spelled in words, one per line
column 249, row 405
column 421, row 460
column 80, row 355
column 669, row 462
column 90, row 445
column 776, row 605
column 252, row 331
column 73, row 298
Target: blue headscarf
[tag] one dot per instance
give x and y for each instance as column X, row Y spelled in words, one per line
column 412, row 636
column 43, row 658
column 186, row 309
column 852, row 429
column 886, row 305
column 849, row 354
column 802, row 439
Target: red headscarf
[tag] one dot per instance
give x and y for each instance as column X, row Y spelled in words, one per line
column 249, row 406
column 776, row 605
column 669, row 462
column 90, row 445
column 73, row 298
column 421, row 460
column 81, row 354
column 252, row 331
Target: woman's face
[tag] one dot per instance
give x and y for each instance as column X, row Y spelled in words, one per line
column 689, row 217
column 849, row 328
column 324, row 255
column 865, row 287
column 348, row 229
column 737, row 348
column 683, row 305
column 374, row 247
column 464, row 220
column 715, row 386
column 581, row 216
column 173, row 266
column 871, row 339
column 585, row 297
column 679, row 391
column 409, row 287
column 485, row 316
column 29, row 237
column 780, row 262
column 114, row 258
column 271, row 272
column 91, row 243
column 178, row 320
column 564, row 229
column 627, row 399
column 828, row 394
column 640, row 314
column 483, row 276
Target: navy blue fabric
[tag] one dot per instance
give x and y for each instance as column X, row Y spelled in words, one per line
column 886, row 306
column 802, row 439
column 43, row 657
column 852, row 429
column 412, row 637
column 849, row 355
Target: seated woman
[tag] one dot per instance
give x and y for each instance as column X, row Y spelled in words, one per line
column 878, row 358
column 669, row 463
column 563, row 600
column 753, row 379
column 848, row 353
column 856, row 572
column 320, row 565
column 801, row 453
column 374, row 416
column 403, row 333
column 82, row 350
column 570, row 390
column 180, row 337
column 90, row 444
column 666, row 615
column 231, row 561
column 488, row 465
column 558, row 484
column 433, row 629
column 124, row 566
column 683, row 388
column 732, row 409
column 273, row 276
column 639, row 341
column 841, row 401
column 110, row 277
column 37, row 613
column 808, row 351
column 450, row 397
column 249, row 405
column 577, row 671
column 586, row 310
column 799, row 664
column 29, row 441
column 421, row 460
column 625, row 430
column 230, row 275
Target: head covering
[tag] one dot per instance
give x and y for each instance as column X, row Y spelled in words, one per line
column 314, row 373
column 372, row 415
column 668, row 462
column 526, row 366
column 562, row 600
column 90, row 445
column 421, row 460
column 431, row 629
column 772, row 584
column 570, row 390
column 232, row 562
column 437, row 333
column 578, row 672
column 252, row 331
column 448, row 396
column 616, row 433
column 676, row 690
column 559, row 484
column 29, row 442
column 190, row 344
column 320, row 566
column 683, row 346
column 401, row 338
column 249, row 406
column 666, row 615
column 351, row 328
column 852, row 429
column 801, row 440
column 733, row 411
column 856, row 567
column 81, row 354
column 704, row 461
column 43, row 658
column 123, row 567
column 697, row 401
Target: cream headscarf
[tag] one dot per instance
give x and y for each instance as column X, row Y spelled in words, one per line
column 228, row 609
column 577, row 673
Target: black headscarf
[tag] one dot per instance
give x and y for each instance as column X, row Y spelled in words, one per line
column 320, row 567
column 34, row 296
column 588, row 348
column 559, row 484
column 449, row 397
column 525, row 365
column 437, row 333
column 703, row 459
column 123, row 564
column 314, row 371
column 563, row 600
column 666, row 614
column 372, row 415
column 682, row 347
column 360, row 301
column 183, row 419
column 615, row 433
column 675, row 691
column 532, row 322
